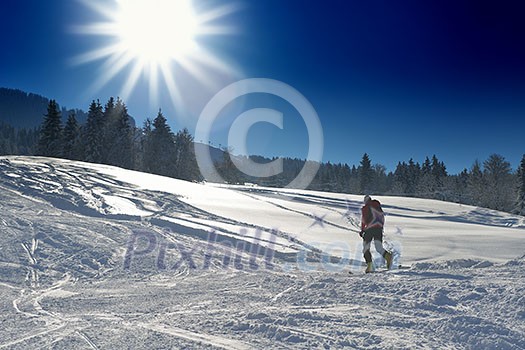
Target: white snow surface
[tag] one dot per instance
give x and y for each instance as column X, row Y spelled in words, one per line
column 98, row 257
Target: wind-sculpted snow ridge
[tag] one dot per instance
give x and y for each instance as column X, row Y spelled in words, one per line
column 97, row 257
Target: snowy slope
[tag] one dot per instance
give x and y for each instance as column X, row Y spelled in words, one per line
column 94, row 256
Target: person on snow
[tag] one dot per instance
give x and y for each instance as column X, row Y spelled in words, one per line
column 372, row 222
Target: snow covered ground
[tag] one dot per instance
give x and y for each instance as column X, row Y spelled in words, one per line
column 97, row 257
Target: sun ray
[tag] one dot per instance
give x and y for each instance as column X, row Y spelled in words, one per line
column 153, row 83
column 217, row 13
column 193, row 68
column 153, row 37
column 102, row 28
column 173, row 90
column 208, row 59
column 97, row 54
column 216, row 30
column 132, row 79
column 111, row 68
column 101, row 8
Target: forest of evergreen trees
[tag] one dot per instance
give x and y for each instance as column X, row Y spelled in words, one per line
column 110, row 137
column 491, row 184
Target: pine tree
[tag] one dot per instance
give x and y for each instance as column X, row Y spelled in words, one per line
column 426, row 168
column 159, row 148
column 186, row 167
column 439, row 173
column 431, row 179
column 461, row 183
column 118, row 135
column 499, row 187
column 71, row 138
column 412, row 177
column 380, row 184
column 400, row 179
column 438, row 169
column 520, row 200
column 94, row 134
column 142, row 136
column 366, row 174
column 108, row 135
column 124, row 138
column 346, row 174
column 110, row 109
column 426, row 185
column 50, row 144
column 475, row 185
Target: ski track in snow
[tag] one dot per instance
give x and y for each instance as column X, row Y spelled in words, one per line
column 67, row 225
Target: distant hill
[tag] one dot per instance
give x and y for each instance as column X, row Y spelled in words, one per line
column 26, row 110
column 216, row 154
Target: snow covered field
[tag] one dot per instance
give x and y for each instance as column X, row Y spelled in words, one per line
column 96, row 257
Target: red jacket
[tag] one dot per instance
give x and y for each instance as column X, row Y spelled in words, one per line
column 372, row 215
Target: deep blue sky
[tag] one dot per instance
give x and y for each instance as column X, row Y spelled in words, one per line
column 397, row 79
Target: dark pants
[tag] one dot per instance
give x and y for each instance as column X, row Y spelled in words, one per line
column 375, row 234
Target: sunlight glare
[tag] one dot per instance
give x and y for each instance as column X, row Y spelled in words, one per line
column 155, row 39
column 156, row 30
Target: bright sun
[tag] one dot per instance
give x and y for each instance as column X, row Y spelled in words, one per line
column 156, row 31
column 152, row 36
